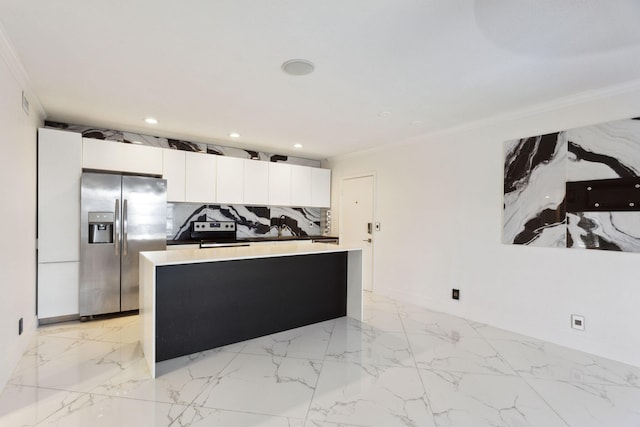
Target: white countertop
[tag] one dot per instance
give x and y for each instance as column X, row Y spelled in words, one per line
column 191, row 256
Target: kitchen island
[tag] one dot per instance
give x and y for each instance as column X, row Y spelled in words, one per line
column 196, row 299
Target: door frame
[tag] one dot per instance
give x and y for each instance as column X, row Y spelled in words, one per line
column 374, row 215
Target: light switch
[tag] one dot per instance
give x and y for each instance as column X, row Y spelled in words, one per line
column 377, row 226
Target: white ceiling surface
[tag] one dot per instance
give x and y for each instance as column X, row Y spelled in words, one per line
column 207, row 68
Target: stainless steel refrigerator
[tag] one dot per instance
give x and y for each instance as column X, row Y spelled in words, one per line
column 121, row 216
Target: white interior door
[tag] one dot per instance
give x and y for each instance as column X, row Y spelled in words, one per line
column 356, row 221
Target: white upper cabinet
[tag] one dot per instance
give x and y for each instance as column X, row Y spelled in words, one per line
column 300, row 185
column 200, row 177
column 230, row 180
column 279, row 184
column 256, row 182
column 116, row 156
column 59, row 172
column 320, row 188
column 173, row 170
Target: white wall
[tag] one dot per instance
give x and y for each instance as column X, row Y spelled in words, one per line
column 17, row 215
column 439, row 200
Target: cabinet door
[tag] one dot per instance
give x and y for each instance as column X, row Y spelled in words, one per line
column 321, row 188
column 279, row 184
column 300, row 185
column 59, row 172
column 173, row 170
column 58, row 289
column 256, row 182
column 116, row 156
column 200, row 177
column 230, row 180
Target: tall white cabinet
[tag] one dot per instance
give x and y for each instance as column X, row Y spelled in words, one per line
column 59, row 172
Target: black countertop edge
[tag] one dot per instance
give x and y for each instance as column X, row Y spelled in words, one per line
column 254, row 239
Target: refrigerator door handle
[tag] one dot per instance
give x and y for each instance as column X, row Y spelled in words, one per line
column 116, row 229
column 125, row 226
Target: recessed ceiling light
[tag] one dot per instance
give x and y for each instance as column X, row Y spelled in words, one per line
column 298, row 67
column 151, row 121
column 384, row 113
column 297, row 145
column 234, row 135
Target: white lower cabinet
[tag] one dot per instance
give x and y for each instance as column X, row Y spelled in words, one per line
column 58, row 289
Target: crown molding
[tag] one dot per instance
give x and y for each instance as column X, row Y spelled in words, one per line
column 10, row 57
column 556, row 105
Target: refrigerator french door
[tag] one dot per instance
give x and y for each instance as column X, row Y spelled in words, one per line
column 121, row 216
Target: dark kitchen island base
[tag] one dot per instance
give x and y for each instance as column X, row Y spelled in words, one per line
column 193, row 300
column 207, row 305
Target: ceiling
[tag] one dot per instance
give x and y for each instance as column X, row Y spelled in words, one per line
column 386, row 70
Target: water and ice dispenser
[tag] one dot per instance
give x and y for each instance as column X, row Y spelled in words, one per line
column 100, row 227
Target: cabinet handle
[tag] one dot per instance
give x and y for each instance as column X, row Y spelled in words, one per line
column 125, row 226
column 116, row 229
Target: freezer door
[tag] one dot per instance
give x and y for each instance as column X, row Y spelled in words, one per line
column 144, row 224
column 99, row 262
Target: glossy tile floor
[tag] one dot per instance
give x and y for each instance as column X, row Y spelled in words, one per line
column 403, row 366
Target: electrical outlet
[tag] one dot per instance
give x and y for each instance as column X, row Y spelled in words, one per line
column 577, row 322
column 20, row 326
column 455, row 293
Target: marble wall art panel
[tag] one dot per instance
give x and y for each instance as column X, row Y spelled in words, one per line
column 155, row 141
column 534, row 191
column 252, row 221
column 604, row 151
column 614, row 231
column 536, row 172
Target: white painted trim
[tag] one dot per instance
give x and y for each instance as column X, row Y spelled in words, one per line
column 557, row 104
column 374, row 215
column 11, row 58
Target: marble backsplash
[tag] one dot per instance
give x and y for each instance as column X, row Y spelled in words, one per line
column 252, row 221
column 536, row 172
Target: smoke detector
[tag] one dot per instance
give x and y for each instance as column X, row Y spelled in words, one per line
column 298, row 67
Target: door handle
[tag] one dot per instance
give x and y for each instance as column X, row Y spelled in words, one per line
column 369, row 227
column 367, row 240
column 125, row 226
column 116, row 229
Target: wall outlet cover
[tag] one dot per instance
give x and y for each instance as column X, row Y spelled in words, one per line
column 577, row 322
column 455, row 293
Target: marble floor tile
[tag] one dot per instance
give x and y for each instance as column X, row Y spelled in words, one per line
column 463, row 354
column 591, row 405
column 537, row 359
column 307, row 342
column 474, row 400
column 383, row 320
column 181, row 381
column 81, row 366
column 264, row 385
column 404, row 365
column 27, row 406
column 207, row 417
column 353, row 341
column 369, row 395
column 418, row 320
